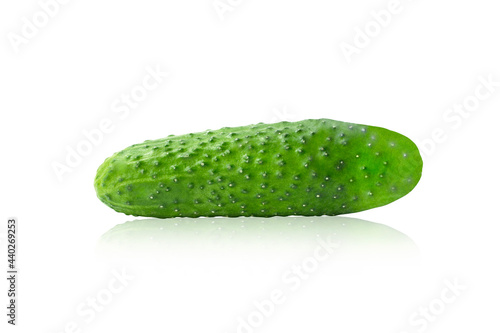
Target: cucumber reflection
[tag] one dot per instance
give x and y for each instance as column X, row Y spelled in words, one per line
column 278, row 237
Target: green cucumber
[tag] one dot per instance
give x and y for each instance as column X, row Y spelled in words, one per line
column 309, row 167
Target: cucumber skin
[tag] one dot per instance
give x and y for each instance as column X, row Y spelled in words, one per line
column 310, row 167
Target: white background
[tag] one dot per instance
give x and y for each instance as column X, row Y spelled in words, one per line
column 258, row 61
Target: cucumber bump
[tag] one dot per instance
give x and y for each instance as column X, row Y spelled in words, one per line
column 309, row 167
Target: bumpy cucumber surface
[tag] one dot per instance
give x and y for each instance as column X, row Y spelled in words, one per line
column 309, row 167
